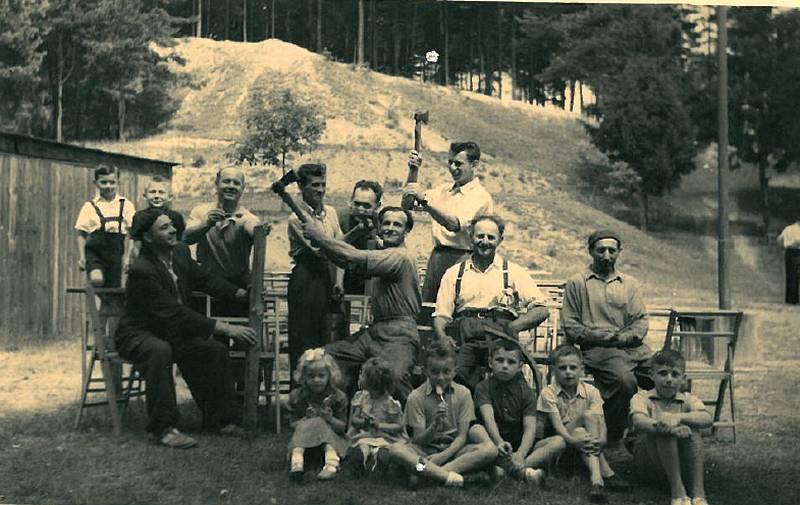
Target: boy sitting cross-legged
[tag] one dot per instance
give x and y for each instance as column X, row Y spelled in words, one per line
column 438, row 415
column 507, row 405
column 668, row 421
column 574, row 410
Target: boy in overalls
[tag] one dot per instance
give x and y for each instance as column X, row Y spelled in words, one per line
column 102, row 226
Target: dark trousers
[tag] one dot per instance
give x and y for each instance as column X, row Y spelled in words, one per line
column 618, row 374
column 792, row 260
column 474, row 337
column 308, row 297
column 205, row 368
column 439, row 261
column 396, row 341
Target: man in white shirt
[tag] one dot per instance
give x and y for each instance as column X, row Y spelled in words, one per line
column 485, row 297
column 452, row 206
column 789, row 238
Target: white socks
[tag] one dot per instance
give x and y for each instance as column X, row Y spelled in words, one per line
column 296, row 461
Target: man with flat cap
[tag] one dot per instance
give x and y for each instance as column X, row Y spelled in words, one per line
column 604, row 314
column 158, row 328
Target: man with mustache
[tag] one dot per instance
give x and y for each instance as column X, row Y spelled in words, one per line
column 159, row 328
column 605, row 315
column 451, row 206
column 395, row 300
column 483, row 298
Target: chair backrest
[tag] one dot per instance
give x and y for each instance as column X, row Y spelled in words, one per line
column 706, row 338
column 104, row 320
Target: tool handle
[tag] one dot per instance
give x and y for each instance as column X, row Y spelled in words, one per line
column 280, row 190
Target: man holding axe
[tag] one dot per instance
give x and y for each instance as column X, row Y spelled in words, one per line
column 359, row 223
column 314, row 283
column 451, row 206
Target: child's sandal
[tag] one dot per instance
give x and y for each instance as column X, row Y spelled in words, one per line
column 328, row 472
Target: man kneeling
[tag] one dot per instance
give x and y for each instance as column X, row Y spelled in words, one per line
column 159, row 328
column 438, row 414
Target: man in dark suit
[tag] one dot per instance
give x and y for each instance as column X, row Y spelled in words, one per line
column 362, row 211
column 159, row 328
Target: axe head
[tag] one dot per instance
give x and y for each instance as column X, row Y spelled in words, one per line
column 421, row 117
column 289, row 177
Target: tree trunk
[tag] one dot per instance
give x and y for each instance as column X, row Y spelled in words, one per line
column 227, row 19
column 121, row 116
column 244, row 20
column 580, row 95
column 287, row 23
column 200, row 18
column 412, row 48
column 272, row 21
column 763, row 183
column 319, row 26
column 499, row 55
column 471, row 60
column 373, row 35
column 571, row 95
column 360, row 45
column 396, row 38
column 445, row 41
column 514, row 76
column 643, row 209
column 60, row 90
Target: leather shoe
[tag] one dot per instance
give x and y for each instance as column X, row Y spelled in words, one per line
column 174, row 439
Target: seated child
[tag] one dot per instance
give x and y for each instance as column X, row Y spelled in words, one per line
column 376, row 419
column 157, row 194
column 667, row 422
column 507, row 405
column 438, row 414
column 574, row 410
column 319, row 413
column 102, row 225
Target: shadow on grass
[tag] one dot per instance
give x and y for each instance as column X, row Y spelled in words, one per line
column 42, row 460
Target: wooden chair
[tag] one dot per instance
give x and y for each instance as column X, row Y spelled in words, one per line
column 707, row 339
column 119, row 380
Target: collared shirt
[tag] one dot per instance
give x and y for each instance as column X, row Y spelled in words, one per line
column 327, row 219
column 395, row 292
column 654, row 406
column 421, row 409
column 89, row 221
column 603, row 304
column 790, row 236
column 554, row 400
column 484, row 290
column 380, row 410
column 465, row 202
column 511, row 400
column 226, row 246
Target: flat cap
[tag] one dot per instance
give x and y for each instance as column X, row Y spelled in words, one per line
column 601, row 234
column 143, row 220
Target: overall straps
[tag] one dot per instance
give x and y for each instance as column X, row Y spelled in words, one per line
column 100, row 215
column 461, row 269
column 505, row 274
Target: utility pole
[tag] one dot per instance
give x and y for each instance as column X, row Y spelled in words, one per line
column 724, row 239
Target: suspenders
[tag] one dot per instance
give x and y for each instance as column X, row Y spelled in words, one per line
column 104, row 219
column 463, row 267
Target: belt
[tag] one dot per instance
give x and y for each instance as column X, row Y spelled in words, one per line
column 492, row 314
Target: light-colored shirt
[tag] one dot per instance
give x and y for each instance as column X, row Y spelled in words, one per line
column 421, row 409
column 593, row 303
column 484, row 290
column 554, row 400
column 790, row 236
column 654, row 406
column 395, row 292
column 380, row 410
column 89, row 221
column 465, row 202
column 226, row 246
column 327, row 219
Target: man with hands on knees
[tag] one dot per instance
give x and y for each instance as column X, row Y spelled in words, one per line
column 451, row 206
column 159, row 328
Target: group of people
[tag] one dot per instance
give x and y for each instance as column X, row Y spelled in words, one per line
column 473, row 416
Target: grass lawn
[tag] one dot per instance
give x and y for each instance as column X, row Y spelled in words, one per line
column 42, row 460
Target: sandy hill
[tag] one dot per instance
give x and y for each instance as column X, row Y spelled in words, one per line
column 530, row 156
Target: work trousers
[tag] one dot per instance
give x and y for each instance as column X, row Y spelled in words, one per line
column 205, row 367
column 792, row 259
column 308, row 297
column 395, row 340
column 617, row 374
column 474, row 337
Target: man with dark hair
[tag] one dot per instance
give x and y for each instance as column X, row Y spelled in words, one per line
column 605, row 315
column 395, row 301
column 314, row 283
column 359, row 223
column 485, row 297
column 159, row 328
column 451, row 206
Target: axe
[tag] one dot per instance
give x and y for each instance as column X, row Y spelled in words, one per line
column 279, row 188
column 413, row 172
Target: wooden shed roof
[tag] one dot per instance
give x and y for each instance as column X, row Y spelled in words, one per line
column 40, row 148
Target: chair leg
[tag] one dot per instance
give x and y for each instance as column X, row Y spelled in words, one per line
column 111, row 395
column 732, row 408
column 87, row 378
column 720, row 400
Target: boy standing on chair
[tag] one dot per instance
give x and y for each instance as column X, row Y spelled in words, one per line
column 102, row 226
column 158, row 194
column 668, row 422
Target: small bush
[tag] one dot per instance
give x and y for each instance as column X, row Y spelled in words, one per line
column 198, row 160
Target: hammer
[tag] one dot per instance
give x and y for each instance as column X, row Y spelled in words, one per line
column 279, row 188
column 413, row 172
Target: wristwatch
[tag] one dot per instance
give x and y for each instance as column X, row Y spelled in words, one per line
column 421, row 465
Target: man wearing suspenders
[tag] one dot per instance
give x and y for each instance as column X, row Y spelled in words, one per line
column 483, row 298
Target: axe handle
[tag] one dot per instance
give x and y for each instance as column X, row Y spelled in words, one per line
column 417, row 135
column 290, row 202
